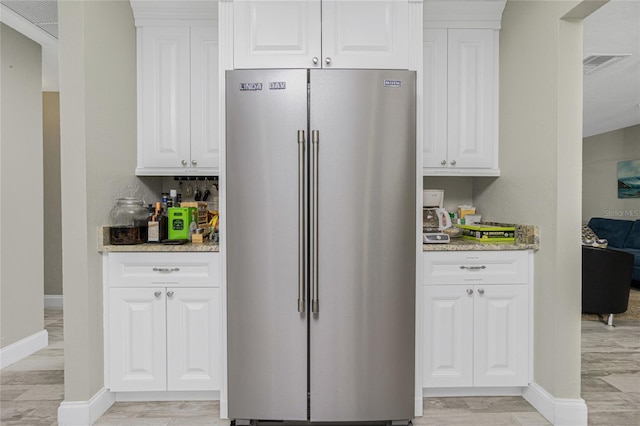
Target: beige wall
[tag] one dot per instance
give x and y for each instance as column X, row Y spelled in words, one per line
column 600, row 157
column 98, row 158
column 457, row 190
column 21, row 246
column 540, row 183
column 51, row 200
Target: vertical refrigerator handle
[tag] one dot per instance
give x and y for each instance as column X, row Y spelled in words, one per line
column 315, row 139
column 301, row 222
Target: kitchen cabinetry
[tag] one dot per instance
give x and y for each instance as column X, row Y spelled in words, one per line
column 178, row 89
column 460, row 102
column 314, row 34
column 476, row 319
column 164, row 322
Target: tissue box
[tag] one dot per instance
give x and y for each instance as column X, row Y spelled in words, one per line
column 488, row 233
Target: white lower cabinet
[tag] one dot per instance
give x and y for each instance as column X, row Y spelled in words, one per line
column 475, row 334
column 163, row 335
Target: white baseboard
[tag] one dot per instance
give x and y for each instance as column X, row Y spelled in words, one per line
column 471, row 391
column 85, row 413
column 53, row 301
column 559, row 411
column 168, row 396
column 23, row 348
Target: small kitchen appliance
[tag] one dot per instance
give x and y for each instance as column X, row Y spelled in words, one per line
column 435, row 219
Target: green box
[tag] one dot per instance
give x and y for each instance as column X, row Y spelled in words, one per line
column 488, row 233
column 179, row 222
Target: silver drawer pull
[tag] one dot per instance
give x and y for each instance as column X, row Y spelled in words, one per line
column 166, row 269
column 473, row 268
column 157, row 294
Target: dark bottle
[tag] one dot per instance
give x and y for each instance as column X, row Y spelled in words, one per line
column 158, row 225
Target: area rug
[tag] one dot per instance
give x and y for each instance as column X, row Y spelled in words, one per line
column 633, row 310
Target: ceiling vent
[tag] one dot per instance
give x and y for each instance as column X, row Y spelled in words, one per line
column 593, row 63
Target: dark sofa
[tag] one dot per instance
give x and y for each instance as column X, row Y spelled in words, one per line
column 622, row 235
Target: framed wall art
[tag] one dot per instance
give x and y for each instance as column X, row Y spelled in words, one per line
column 629, row 179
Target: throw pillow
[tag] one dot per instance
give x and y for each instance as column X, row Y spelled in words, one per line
column 589, row 238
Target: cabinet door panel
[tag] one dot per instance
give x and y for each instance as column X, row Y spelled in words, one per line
column 435, row 98
column 137, row 339
column 205, row 147
column 193, row 338
column 165, row 96
column 448, row 337
column 276, row 34
column 471, row 97
column 365, row 34
column 501, row 338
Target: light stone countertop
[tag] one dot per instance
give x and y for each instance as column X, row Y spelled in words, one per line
column 527, row 237
column 105, row 247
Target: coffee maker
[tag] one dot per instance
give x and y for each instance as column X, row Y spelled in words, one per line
column 435, row 218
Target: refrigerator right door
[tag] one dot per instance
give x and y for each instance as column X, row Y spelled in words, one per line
column 362, row 337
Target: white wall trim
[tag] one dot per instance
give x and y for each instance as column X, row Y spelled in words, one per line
column 23, row 348
column 85, row 413
column 559, row 411
column 471, row 391
column 53, row 301
column 168, row 396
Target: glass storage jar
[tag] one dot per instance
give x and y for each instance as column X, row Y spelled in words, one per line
column 128, row 222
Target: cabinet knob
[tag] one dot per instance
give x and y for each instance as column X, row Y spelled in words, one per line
column 327, row 60
column 443, row 162
column 315, row 60
column 157, row 294
column 481, row 290
column 469, row 291
column 453, row 163
column 184, row 162
column 170, row 293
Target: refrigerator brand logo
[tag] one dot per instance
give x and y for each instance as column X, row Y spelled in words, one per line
column 250, row 86
column 392, row 83
column 277, row 85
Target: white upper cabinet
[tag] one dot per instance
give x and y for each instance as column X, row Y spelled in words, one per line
column 460, row 85
column 276, row 34
column 315, row 34
column 205, row 145
column 178, row 88
column 165, row 104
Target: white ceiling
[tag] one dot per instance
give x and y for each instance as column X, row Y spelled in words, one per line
column 611, row 94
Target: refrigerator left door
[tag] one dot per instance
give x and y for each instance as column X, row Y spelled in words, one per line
column 267, row 336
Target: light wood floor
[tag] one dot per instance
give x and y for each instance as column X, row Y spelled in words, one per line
column 32, row 389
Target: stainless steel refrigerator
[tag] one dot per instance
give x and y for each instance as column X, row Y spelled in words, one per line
column 321, row 239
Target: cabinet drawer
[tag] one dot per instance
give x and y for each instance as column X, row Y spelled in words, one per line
column 164, row 269
column 476, row 267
